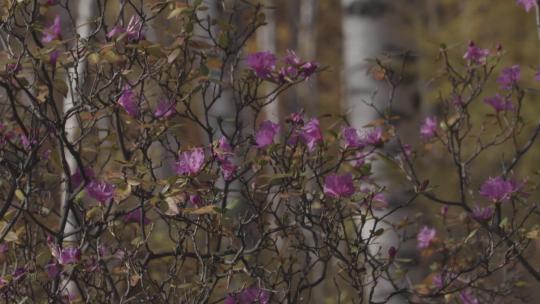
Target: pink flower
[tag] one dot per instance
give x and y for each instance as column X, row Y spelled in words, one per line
column 339, row 186
column 116, row 30
column 360, row 158
column 26, row 142
column 527, row 4
column 69, row 255
column 373, row 137
column 499, row 103
column 228, row 169
column 311, row 134
column 196, row 200
column 53, row 270
column 308, row 68
column 190, row 162
column 509, row 77
column 53, row 32
column 266, row 133
column 296, row 67
column 262, row 63
column 249, row 296
column 350, row 135
column 224, row 149
column 429, row 128
column 482, row 213
column 475, row 54
column 127, row 101
column 100, row 191
column 134, row 28
column 497, row 189
column 53, row 57
column 165, row 108
column 77, row 178
column 466, row 297
column 296, row 118
column 135, row 217
column 425, row 237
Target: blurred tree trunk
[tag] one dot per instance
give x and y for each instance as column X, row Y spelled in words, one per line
column 267, row 41
column 307, row 48
column 370, row 30
column 85, row 10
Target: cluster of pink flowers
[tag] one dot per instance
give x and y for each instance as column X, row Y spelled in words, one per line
column 53, row 32
column 527, row 4
column 339, row 186
column 429, row 128
column 266, row 133
column 165, row 109
column 509, row 77
column 264, row 65
column 476, row 55
column 100, row 191
column 128, row 101
column 190, row 162
column 224, row 154
column 499, row 103
column 425, row 237
column 133, row 31
column 497, row 189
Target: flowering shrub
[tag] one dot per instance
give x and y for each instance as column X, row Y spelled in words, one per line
column 106, row 198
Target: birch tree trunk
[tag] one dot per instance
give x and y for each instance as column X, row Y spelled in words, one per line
column 86, row 10
column 369, row 31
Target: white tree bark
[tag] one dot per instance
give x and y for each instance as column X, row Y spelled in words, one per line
column 85, row 12
column 267, row 40
column 367, row 34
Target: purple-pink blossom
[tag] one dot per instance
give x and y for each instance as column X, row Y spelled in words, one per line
column 509, row 77
column 350, row 135
column 53, row 57
column 339, row 186
column 69, row 255
column 527, row 4
column 480, row 213
column 266, row 133
column 499, row 103
column 475, row 54
column 165, row 108
column 134, row 28
column 249, row 296
column 228, row 169
column 373, row 137
column 496, row 189
column 190, row 162
column 429, row 128
column 116, row 30
column 53, row 32
column 53, row 270
column 77, row 178
column 128, row 102
column 425, row 237
column 196, row 200
column 262, row 63
column 100, row 191
column 311, row 134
